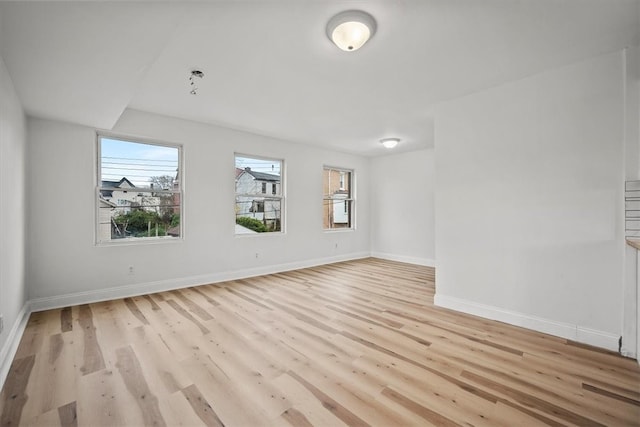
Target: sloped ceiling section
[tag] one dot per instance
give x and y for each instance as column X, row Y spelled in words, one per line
column 270, row 69
column 82, row 62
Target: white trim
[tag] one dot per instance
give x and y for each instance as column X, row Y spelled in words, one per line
column 8, row 350
column 100, row 134
column 569, row 331
column 59, row 301
column 404, row 258
column 352, row 197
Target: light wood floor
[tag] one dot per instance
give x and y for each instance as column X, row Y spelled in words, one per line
column 356, row 343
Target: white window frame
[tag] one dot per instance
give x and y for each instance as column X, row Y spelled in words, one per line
column 349, row 201
column 265, row 196
column 98, row 176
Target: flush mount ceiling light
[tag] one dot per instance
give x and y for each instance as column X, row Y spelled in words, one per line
column 351, row 29
column 390, row 142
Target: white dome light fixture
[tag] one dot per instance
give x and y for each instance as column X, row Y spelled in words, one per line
column 390, row 142
column 351, row 29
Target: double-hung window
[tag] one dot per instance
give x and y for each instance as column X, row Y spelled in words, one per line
column 338, row 201
column 258, row 210
column 139, row 190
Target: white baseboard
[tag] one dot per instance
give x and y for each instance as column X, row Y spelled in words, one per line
column 569, row 331
column 8, row 350
column 404, row 258
column 59, row 301
column 630, row 353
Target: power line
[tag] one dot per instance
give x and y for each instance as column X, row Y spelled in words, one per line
column 132, row 165
column 138, row 160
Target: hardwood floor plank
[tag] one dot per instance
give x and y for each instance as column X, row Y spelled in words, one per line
column 188, row 316
column 56, row 343
column 53, row 371
column 220, row 393
column 68, row 415
column 331, row 405
column 33, row 336
column 66, row 320
column 304, row 317
column 192, row 306
column 245, row 297
column 103, row 400
column 131, row 305
column 199, row 290
column 426, row 413
column 615, row 388
column 610, row 394
column 14, row 397
column 296, row 418
column 306, row 403
column 351, row 343
column 202, row 407
column 131, row 373
column 162, row 372
column 47, row 419
column 93, row 360
column 154, row 305
column 428, row 389
column 532, row 401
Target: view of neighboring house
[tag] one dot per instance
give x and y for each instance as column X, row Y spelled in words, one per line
column 175, row 202
column 118, row 198
column 123, row 193
column 175, row 198
column 336, row 211
column 106, row 211
column 258, row 196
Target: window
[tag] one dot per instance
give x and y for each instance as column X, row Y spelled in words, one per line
column 139, row 191
column 338, row 201
column 257, row 212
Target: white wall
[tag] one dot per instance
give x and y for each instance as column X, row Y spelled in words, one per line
column 402, row 207
column 529, row 223
column 638, row 281
column 65, row 262
column 632, row 172
column 13, row 292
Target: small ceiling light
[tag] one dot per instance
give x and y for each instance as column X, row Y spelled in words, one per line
column 195, row 74
column 351, row 29
column 390, row 142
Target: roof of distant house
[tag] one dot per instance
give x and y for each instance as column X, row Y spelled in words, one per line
column 262, row 176
column 114, row 185
column 117, row 184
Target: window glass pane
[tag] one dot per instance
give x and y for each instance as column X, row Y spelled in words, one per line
column 337, row 208
column 259, row 201
column 139, row 194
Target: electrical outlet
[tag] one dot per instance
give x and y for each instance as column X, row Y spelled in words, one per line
column 1, row 323
column 257, row 255
column 131, row 270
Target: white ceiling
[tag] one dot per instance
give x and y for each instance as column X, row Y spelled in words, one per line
column 270, row 69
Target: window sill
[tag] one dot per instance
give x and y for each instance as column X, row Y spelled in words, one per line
column 138, row 241
column 250, row 235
